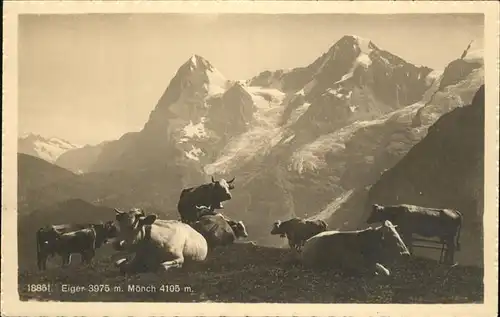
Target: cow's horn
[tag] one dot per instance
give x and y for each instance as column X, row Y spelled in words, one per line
column 213, row 180
column 229, row 182
column 118, row 211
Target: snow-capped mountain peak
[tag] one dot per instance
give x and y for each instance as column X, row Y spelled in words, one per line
column 198, row 73
column 48, row 149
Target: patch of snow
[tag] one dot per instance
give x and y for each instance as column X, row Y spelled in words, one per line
column 433, row 76
column 263, row 134
column 193, row 60
column 194, row 153
column 346, row 76
column 363, row 43
column 297, row 113
column 311, row 156
column 363, row 60
column 50, row 151
column 385, row 60
column 194, row 130
column 335, row 92
column 353, row 108
column 217, row 82
column 290, row 138
column 307, row 88
column 329, row 210
column 339, row 94
column 260, row 94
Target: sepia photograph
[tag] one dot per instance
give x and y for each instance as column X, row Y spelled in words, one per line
column 251, row 157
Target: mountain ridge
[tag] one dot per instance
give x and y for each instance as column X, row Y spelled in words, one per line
column 46, row 148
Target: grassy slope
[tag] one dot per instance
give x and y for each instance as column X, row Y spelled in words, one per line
column 246, row 273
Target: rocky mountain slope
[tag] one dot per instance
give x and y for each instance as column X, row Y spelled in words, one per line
column 48, row 149
column 34, row 175
column 445, row 170
column 42, row 185
column 301, row 142
column 80, row 160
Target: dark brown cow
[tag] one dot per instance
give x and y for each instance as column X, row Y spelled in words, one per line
column 427, row 222
column 219, row 230
column 298, row 230
column 67, row 239
column 211, row 195
column 355, row 252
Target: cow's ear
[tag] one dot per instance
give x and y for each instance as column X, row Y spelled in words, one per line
column 148, row 220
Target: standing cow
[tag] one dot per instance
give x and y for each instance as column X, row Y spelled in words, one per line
column 427, row 222
column 219, row 230
column 67, row 239
column 355, row 252
column 156, row 244
column 211, row 195
column 298, row 230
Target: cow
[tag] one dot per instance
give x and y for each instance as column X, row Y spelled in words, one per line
column 67, row 239
column 298, row 230
column 219, row 230
column 211, row 195
column 156, row 244
column 355, row 252
column 427, row 222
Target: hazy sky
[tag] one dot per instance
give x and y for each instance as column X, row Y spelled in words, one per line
column 89, row 78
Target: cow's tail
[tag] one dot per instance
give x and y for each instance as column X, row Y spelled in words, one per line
column 459, row 228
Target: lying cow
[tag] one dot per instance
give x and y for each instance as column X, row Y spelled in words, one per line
column 156, row 244
column 355, row 252
column 68, row 239
column 211, row 195
column 219, row 230
column 298, row 230
column 426, row 222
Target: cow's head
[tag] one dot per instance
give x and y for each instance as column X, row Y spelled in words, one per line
column 279, row 228
column 392, row 244
column 131, row 227
column 239, row 229
column 107, row 231
column 221, row 191
column 377, row 214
